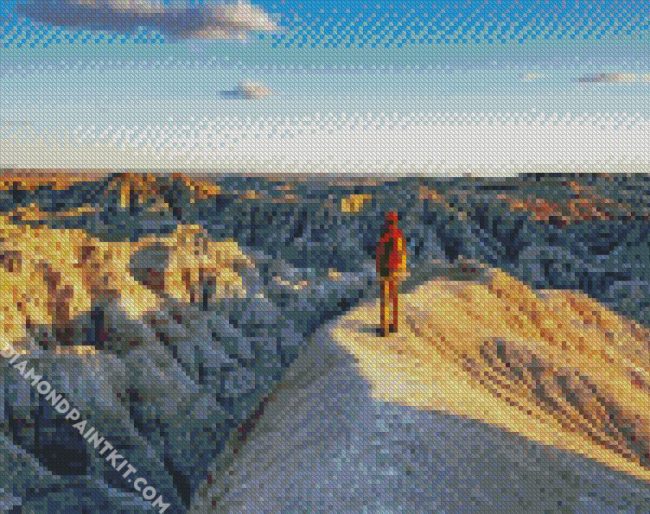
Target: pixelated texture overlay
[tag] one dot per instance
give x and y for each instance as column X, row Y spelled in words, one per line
column 324, row 256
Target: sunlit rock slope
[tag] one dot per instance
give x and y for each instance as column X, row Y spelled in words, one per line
column 166, row 345
column 492, row 397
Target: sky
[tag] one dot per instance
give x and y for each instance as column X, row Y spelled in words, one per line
column 447, row 87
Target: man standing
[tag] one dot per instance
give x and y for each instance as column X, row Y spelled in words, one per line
column 391, row 267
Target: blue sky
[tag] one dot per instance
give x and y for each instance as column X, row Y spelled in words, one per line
column 355, row 87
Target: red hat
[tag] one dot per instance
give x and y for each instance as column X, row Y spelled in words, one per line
column 391, row 217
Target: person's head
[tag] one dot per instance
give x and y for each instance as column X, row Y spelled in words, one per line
column 391, row 219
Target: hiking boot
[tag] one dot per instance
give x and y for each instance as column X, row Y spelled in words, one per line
column 393, row 329
column 381, row 332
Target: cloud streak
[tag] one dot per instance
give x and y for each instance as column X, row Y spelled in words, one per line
column 247, row 91
column 615, row 78
column 206, row 21
column 532, row 77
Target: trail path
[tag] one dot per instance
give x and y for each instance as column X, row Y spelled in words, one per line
column 362, row 423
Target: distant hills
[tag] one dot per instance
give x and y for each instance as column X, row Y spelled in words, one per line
column 585, row 232
column 168, row 305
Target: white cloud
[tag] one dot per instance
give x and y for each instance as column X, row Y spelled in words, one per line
column 532, row 77
column 247, row 90
column 615, row 78
column 205, row 21
column 253, row 90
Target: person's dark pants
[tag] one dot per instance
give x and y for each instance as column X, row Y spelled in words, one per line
column 389, row 294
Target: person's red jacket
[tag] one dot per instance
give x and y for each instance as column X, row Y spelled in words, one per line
column 391, row 252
